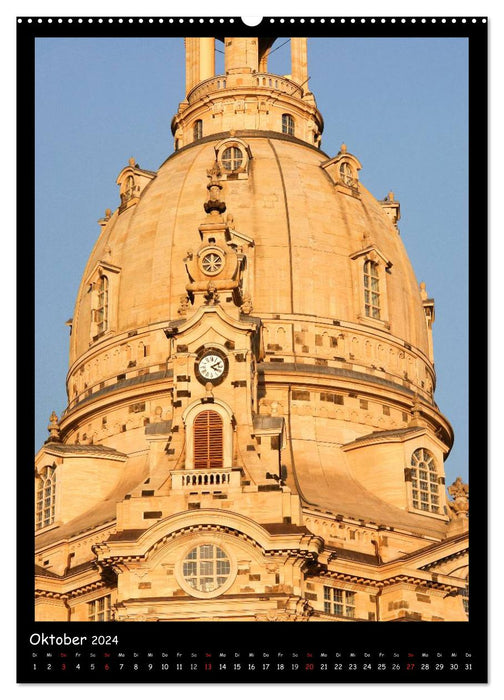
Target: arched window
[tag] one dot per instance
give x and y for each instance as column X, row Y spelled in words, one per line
column 101, row 315
column 287, row 124
column 346, row 175
column 424, row 481
column 208, row 440
column 371, row 289
column 129, row 188
column 198, row 129
column 46, row 497
column 231, row 158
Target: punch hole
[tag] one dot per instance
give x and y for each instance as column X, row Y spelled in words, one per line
column 251, row 21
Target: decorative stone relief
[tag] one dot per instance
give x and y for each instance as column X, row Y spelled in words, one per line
column 459, row 491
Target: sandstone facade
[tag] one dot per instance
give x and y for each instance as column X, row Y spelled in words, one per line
column 251, row 431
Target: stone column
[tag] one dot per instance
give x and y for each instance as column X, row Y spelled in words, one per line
column 192, row 50
column 206, row 57
column 299, row 57
column 241, row 53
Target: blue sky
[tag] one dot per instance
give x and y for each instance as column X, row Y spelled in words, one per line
column 400, row 105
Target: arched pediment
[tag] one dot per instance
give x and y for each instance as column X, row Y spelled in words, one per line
column 269, row 539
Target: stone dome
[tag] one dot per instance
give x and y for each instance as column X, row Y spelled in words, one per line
column 309, row 237
column 310, row 257
column 306, row 235
column 251, row 369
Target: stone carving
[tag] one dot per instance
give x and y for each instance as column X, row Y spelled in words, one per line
column 54, row 429
column 209, row 390
column 214, row 203
column 459, row 491
column 212, row 295
column 184, row 305
column 246, row 307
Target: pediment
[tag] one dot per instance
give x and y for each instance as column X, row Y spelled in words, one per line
column 210, row 317
column 372, row 252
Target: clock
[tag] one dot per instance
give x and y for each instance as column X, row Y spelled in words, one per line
column 211, row 366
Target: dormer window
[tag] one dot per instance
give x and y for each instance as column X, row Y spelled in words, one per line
column 231, row 158
column 101, row 312
column 371, row 289
column 346, row 175
column 132, row 179
column 129, row 188
column 287, row 124
column 198, row 130
column 343, row 171
column 103, row 289
column 371, row 271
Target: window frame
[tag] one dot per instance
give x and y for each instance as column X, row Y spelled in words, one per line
column 101, row 313
column 198, row 130
column 288, row 124
column 208, row 440
column 189, row 417
column 238, row 171
column 235, row 159
column 431, row 495
column 372, row 294
column 44, row 493
column 215, row 540
column 111, row 272
column 199, row 561
column 93, row 614
column 347, row 602
column 381, row 265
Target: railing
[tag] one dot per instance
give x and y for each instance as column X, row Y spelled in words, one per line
column 216, row 83
column 262, row 80
column 278, row 82
column 205, row 478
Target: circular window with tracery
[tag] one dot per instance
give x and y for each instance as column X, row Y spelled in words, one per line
column 212, row 262
column 206, row 568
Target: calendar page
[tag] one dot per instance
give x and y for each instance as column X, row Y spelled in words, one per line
column 251, row 353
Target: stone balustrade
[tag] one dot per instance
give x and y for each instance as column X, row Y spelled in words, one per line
column 205, row 478
column 255, row 80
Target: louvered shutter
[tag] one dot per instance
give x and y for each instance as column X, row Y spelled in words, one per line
column 208, row 441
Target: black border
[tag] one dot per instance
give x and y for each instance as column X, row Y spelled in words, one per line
column 444, row 637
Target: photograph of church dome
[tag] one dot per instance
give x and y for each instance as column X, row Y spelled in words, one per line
column 251, row 431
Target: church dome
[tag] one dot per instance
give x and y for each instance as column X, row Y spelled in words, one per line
column 263, row 225
column 251, row 385
column 310, row 236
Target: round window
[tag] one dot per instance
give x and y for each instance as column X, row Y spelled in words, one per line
column 212, row 263
column 232, row 158
column 206, row 568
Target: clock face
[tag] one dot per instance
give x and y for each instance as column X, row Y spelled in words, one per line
column 211, row 367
